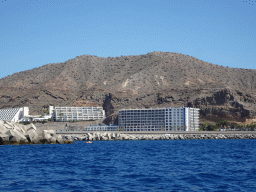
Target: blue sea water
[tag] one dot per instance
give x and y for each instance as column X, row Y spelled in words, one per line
column 169, row 165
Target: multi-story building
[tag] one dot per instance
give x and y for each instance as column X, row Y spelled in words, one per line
column 22, row 115
column 169, row 119
column 57, row 113
column 14, row 114
column 78, row 113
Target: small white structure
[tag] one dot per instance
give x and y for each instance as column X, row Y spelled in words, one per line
column 51, row 109
column 101, row 128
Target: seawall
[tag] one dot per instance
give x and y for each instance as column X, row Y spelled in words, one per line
column 103, row 136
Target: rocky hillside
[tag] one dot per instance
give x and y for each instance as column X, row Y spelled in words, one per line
column 157, row 79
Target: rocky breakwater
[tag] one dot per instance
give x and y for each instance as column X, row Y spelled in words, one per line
column 118, row 136
column 15, row 133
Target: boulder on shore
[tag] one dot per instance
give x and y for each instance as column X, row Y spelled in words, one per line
column 15, row 133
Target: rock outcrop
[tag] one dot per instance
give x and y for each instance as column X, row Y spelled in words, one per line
column 15, row 133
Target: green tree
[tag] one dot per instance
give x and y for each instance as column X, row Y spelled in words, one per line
column 212, row 127
column 203, row 126
column 61, row 116
column 233, row 125
column 240, row 127
column 252, row 127
column 222, row 124
column 208, row 127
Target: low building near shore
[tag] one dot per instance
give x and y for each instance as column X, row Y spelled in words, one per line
column 101, row 128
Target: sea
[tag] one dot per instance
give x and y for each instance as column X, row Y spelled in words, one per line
column 146, row 165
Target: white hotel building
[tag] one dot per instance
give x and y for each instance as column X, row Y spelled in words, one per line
column 57, row 113
column 22, row 115
column 14, row 114
column 78, row 113
column 169, row 119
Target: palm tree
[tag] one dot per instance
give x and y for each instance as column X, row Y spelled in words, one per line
column 178, row 128
column 222, row 124
column 61, row 116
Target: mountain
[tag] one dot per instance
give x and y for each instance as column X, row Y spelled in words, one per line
column 157, row 79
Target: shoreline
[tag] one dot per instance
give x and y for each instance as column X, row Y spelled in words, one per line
column 79, row 132
column 110, row 136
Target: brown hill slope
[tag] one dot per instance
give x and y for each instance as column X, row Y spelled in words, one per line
column 157, row 79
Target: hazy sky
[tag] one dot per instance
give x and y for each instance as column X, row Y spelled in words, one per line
column 38, row 32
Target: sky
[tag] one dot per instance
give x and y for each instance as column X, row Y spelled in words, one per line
column 38, row 32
